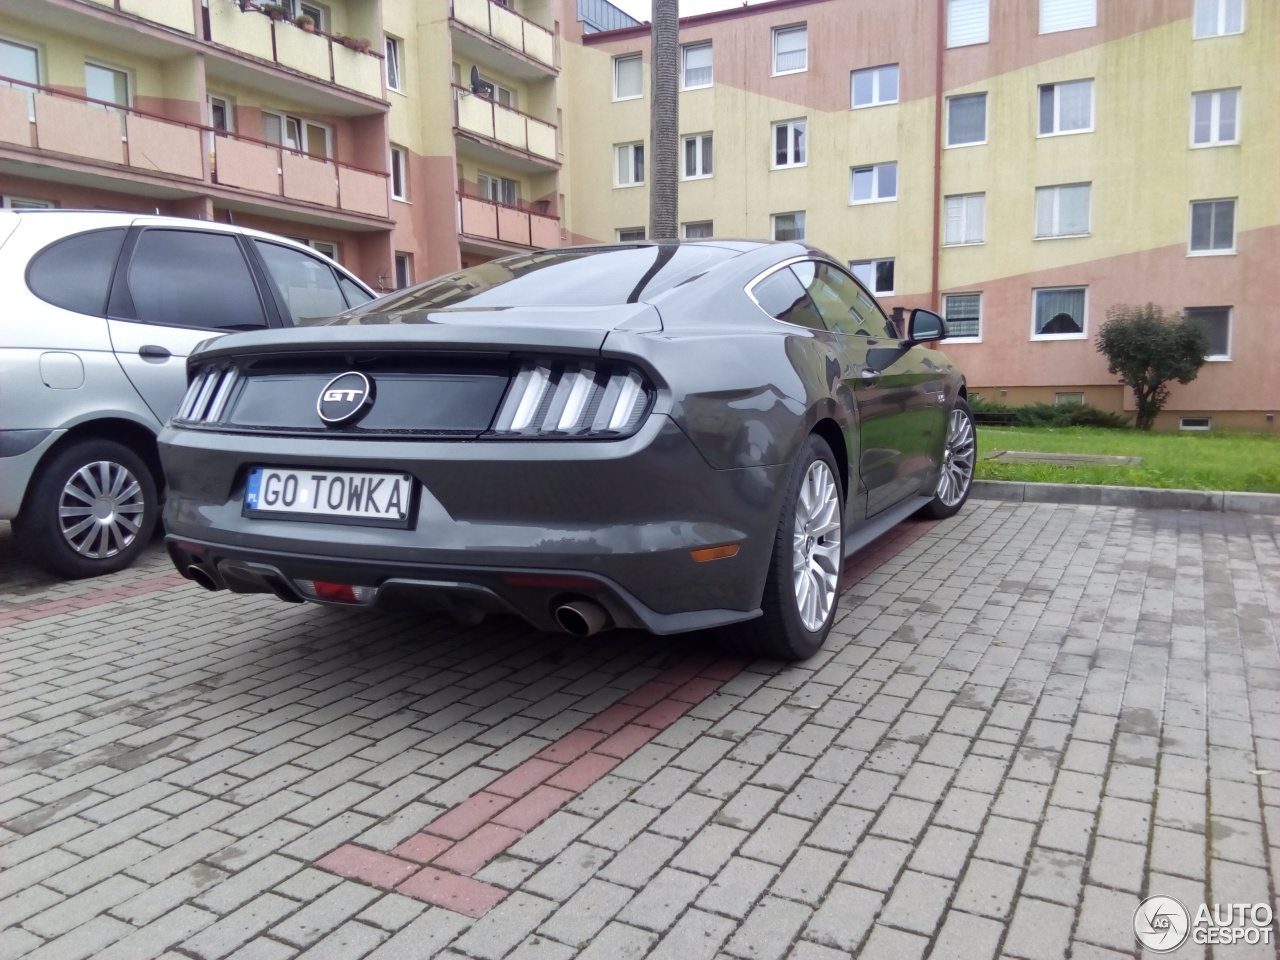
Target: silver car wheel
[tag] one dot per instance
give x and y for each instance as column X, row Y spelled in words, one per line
column 100, row 510
column 958, row 459
column 816, row 545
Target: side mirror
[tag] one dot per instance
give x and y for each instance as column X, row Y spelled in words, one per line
column 925, row 326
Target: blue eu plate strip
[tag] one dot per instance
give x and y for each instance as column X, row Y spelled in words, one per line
column 251, row 491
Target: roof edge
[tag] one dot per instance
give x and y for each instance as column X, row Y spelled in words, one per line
column 698, row 20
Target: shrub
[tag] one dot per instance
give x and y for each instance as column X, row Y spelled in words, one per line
column 1053, row 415
column 1148, row 348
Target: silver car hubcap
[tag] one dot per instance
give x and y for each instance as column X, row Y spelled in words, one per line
column 100, row 510
column 816, row 545
column 957, row 460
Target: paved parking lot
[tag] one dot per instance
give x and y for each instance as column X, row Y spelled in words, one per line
column 1028, row 718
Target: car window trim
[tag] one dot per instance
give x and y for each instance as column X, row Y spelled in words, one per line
column 764, row 275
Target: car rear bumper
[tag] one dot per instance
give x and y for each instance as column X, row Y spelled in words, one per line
column 619, row 518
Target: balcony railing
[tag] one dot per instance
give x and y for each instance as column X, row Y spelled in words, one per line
column 47, row 119
column 507, row 27
column 315, row 53
column 178, row 14
column 492, row 120
column 490, row 220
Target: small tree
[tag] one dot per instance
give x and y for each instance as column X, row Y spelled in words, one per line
column 1147, row 348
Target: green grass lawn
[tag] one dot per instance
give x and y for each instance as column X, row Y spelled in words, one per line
column 1197, row 461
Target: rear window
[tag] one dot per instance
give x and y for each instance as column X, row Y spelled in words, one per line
column 586, row 277
column 74, row 273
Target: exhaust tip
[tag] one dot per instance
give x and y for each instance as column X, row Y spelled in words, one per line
column 582, row 618
column 201, row 576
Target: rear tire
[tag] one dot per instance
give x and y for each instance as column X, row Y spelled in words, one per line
column 89, row 510
column 802, row 589
column 959, row 459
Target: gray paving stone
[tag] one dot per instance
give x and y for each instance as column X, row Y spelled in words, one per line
column 769, row 930
column 586, row 912
column 844, row 917
column 987, row 889
column 619, row 942
column 697, row 936
column 736, row 887
column 663, row 899
column 917, row 902
column 1040, row 930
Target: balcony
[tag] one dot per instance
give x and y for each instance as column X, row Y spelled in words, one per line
column 178, row 14
column 175, row 154
column 534, row 139
column 489, row 220
column 508, row 28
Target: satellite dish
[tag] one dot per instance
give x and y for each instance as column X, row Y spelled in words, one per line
column 480, row 87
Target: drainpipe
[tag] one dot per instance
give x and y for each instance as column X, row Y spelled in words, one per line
column 935, row 301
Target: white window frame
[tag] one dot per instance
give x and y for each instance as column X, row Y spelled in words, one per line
column 1082, row 22
column 301, row 148
column 1084, row 311
column 130, row 84
column 1057, row 212
column 25, row 203
column 1212, row 252
column 964, row 337
column 486, row 181
column 684, row 228
column 1220, row 357
column 392, row 47
column 38, row 50
column 401, row 257
column 779, row 31
column 791, row 125
column 1188, row 423
column 947, row 144
column 631, row 164
column 684, row 71
column 621, row 230
column 964, row 219
column 1221, row 6
column 1057, row 108
column 804, row 226
column 875, row 169
column 952, row 41
column 699, row 150
column 1215, row 110
column 873, row 265
column 875, row 72
column 623, row 58
column 399, row 168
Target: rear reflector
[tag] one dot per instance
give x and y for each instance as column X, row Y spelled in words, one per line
column 336, row 592
column 715, row 553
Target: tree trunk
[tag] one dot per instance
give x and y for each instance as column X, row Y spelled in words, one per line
column 664, row 123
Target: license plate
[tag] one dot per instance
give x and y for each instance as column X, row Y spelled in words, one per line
column 333, row 496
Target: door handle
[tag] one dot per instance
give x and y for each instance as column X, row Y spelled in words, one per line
column 152, row 351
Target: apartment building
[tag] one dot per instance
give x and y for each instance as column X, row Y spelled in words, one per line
column 1020, row 165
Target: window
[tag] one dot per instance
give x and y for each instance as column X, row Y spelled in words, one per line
column 104, row 83
column 874, row 86
column 392, row 63
column 628, row 77
column 629, row 165
column 790, row 49
column 1216, row 322
column 318, row 14
column 841, row 303
column 631, row 235
column 788, row 226
column 963, row 313
column 399, row 173
column 966, row 216
column 966, row 119
column 873, row 184
column 354, row 293
column 1059, row 314
column 1213, row 226
column 328, row 248
column 789, row 148
column 293, row 133
column 404, row 270
column 492, row 90
column 20, row 62
column 967, row 22
column 1068, row 399
column 221, row 113
column 1056, row 15
column 1218, row 18
column 193, row 278
column 24, row 203
column 697, row 156
column 698, row 230
column 307, row 283
column 74, row 273
column 696, row 70
column 783, row 297
column 1062, row 211
column 1195, row 423
column 876, row 275
column 498, row 189
column 1066, row 107
column 1215, row 117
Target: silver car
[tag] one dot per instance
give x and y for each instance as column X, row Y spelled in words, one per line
column 100, row 313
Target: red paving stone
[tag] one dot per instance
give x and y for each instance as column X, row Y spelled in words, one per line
column 373, row 867
column 478, row 849
column 613, row 719
column 422, row 847
column 583, row 772
column 532, row 810
column 468, row 815
column 524, row 778
column 448, row 890
column 571, row 746
column 697, row 690
column 649, row 694
column 660, row 716
column 50, row 608
column 627, row 741
column 725, row 669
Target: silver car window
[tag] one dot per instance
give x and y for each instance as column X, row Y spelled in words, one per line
column 307, row 283
column 74, row 273
column 193, row 278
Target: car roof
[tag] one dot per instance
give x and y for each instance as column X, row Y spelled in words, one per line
column 108, row 218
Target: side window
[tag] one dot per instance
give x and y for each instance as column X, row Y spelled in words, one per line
column 355, row 293
column 783, row 297
column 74, row 273
column 843, row 304
column 306, row 282
column 193, row 278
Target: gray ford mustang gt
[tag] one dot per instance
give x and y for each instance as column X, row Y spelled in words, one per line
column 671, row 437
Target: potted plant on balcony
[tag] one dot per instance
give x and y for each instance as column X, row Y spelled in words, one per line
column 358, row 44
column 275, row 11
column 306, row 22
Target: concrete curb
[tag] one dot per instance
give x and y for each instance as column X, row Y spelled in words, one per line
column 1150, row 498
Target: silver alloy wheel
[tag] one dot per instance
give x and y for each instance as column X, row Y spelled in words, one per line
column 101, row 509
column 958, row 459
column 817, row 545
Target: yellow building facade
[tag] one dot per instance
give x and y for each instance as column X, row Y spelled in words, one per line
column 1019, row 165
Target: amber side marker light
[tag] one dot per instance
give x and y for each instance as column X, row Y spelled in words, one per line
column 714, row 553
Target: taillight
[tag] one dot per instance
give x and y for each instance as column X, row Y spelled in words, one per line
column 567, row 398
column 206, row 398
